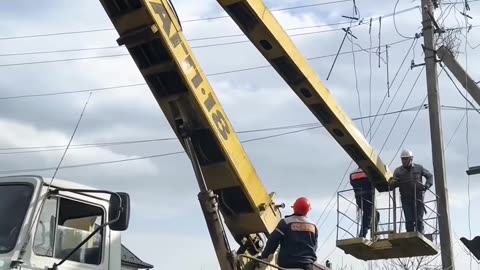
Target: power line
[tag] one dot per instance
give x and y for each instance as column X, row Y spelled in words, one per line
column 369, row 131
column 399, row 87
column 49, row 148
column 343, row 179
column 199, row 39
column 140, row 158
column 207, row 19
column 144, row 84
column 60, row 51
column 203, row 46
column 403, row 105
column 394, row 21
column 87, row 145
column 456, row 129
column 189, row 40
column 212, row 18
column 459, row 91
column 221, row 36
column 183, row 21
column 272, row 10
column 406, row 134
column 89, row 164
column 74, row 91
column 58, row 34
column 308, row 126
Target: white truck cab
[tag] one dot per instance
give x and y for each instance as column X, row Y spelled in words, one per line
column 58, row 224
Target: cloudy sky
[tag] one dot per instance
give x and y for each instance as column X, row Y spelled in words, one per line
column 165, row 213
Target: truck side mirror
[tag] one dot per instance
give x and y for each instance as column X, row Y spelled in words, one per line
column 122, row 223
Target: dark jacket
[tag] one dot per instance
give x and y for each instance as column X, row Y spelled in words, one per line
column 409, row 180
column 362, row 186
column 298, row 239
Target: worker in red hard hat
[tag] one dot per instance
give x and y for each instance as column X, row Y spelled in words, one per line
column 297, row 237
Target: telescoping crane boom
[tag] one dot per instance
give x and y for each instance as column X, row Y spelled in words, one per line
column 153, row 35
column 268, row 36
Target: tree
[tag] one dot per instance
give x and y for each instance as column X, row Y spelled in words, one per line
column 415, row 263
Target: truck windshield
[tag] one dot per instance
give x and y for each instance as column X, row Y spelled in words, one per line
column 14, row 203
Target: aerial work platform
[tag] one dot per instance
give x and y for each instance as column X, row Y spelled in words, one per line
column 396, row 245
column 388, row 239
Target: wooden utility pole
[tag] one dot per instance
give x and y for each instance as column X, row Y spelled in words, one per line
column 436, row 135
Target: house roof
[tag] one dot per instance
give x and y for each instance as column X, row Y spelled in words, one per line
column 130, row 259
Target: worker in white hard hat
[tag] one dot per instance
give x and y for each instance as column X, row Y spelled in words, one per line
column 408, row 178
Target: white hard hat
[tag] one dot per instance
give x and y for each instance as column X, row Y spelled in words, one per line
column 406, row 154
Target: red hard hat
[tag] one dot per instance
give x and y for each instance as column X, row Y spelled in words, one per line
column 301, row 206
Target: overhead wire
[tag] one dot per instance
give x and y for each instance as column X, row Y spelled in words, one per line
column 189, row 40
column 413, row 121
column 143, row 157
column 333, row 230
column 183, row 21
column 395, row 22
column 409, row 128
column 373, row 123
column 459, row 91
column 414, row 42
column 273, row 10
column 406, row 134
column 449, row 141
column 403, row 106
column 417, row 109
column 359, row 101
column 209, row 19
column 74, row 91
column 392, row 100
column 59, row 51
column 48, row 148
column 408, row 52
column 370, row 76
column 355, row 10
column 144, row 84
column 456, row 130
column 101, row 144
column 206, row 19
column 467, row 133
column 387, row 70
column 370, row 113
column 127, row 54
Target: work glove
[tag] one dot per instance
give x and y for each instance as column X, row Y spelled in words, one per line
column 426, row 187
column 393, row 183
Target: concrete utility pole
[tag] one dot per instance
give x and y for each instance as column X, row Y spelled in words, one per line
column 436, row 135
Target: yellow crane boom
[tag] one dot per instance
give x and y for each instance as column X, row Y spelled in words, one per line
column 152, row 33
column 268, row 36
column 271, row 40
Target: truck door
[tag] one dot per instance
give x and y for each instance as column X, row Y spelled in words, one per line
column 63, row 223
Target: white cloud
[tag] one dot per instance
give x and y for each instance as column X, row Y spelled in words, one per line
column 164, row 189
